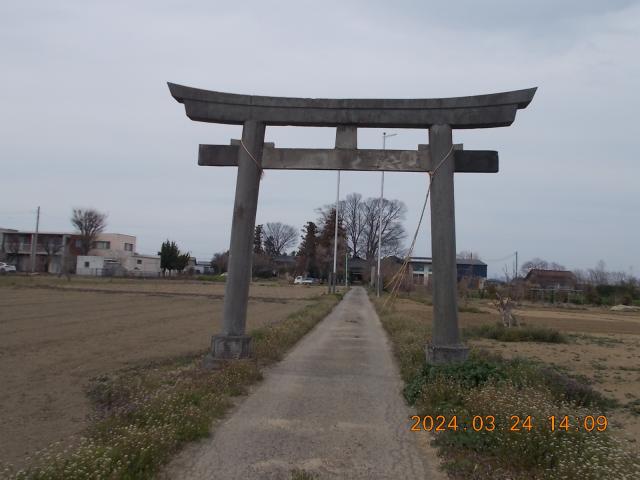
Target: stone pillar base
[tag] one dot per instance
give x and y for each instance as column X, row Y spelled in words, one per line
column 444, row 354
column 228, row 347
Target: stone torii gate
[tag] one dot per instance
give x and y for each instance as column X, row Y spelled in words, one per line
column 251, row 155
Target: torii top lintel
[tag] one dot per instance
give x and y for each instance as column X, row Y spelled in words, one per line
column 479, row 111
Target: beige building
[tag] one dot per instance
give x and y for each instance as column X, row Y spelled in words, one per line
column 142, row 265
column 111, row 253
column 131, row 265
column 112, row 245
column 115, row 254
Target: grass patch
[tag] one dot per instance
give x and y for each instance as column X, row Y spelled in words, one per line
column 298, row 474
column 489, row 385
column 634, row 407
column 212, row 278
column 427, row 300
column 416, row 297
column 523, row 333
column 471, row 309
column 144, row 415
column 598, row 340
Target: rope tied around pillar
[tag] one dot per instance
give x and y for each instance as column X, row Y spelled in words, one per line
column 396, row 280
column 258, row 166
column 433, row 172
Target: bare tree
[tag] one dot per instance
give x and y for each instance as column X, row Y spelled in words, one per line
column 51, row 249
column 582, row 276
column 90, row 223
column 621, row 278
column 279, row 237
column 393, row 212
column 220, row 262
column 534, row 264
column 539, row 264
column 354, row 221
column 505, row 306
column 361, row 221
column 13, row 251
column 507, row 274
column 599, row 274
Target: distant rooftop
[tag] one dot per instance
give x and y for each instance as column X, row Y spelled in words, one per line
column 538, row 272
column 44, row 232
column 469, row 261
column 459, row 261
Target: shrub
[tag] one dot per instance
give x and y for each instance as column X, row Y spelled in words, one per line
column 515, row 334
column 212, row 278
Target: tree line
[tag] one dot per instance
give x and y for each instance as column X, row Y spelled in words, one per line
column 359, row 223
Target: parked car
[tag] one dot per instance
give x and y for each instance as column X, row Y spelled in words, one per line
column 6, row 268
column 304, row 281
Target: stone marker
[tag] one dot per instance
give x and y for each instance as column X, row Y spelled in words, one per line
column 440, row 116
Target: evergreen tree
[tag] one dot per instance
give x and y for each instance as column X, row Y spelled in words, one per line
column 270, row 248
column 257, row 240
column 307, row 254
column 171, row 258
column 325, row 243
column 168, row 256
column 182, row 261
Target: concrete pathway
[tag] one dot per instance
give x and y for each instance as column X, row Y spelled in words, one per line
column 331, row 407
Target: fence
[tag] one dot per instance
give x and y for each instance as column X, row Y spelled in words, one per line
column 555, row 295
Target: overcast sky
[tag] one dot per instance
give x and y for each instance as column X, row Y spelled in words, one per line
column 87, row 119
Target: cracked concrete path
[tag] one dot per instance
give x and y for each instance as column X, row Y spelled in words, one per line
column 331, row 407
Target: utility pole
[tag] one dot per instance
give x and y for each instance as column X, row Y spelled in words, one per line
column 34, row 245
column 379, row 275
column 346, row 269
column 335, row 240
column 516, row 274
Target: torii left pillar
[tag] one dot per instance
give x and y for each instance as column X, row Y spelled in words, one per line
column 232, row 342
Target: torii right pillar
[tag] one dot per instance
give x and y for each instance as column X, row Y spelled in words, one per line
column 445, row 346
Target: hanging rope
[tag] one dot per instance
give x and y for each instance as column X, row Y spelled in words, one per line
column 396, row 280
column 260, row 169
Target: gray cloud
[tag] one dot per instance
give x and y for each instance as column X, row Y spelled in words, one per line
column 88, row 120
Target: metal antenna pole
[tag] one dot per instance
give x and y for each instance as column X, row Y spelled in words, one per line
column 346, row 269
column 335, row 238
column 379, row 279
column 379, row 275
column 34, row 247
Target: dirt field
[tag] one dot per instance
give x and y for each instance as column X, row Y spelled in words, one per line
column 604, row 347
column 56, row 335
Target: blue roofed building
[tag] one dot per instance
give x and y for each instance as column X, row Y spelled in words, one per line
column 471, row 268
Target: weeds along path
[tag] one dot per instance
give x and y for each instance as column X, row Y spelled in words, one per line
column 332, row 407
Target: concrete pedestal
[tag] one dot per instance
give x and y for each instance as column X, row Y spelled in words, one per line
column 444, row 354
column 231, row 347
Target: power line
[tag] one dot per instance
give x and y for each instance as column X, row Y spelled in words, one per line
column 502, row 259
column 13, row 213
